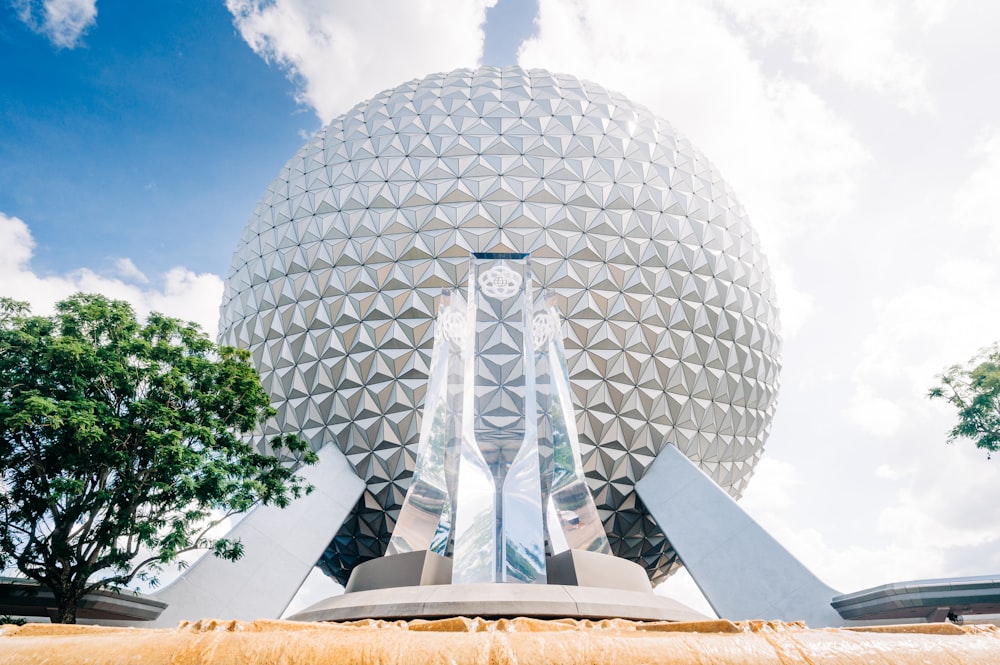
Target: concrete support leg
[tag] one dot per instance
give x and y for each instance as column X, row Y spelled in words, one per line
column 742, row 570
column 282, row 547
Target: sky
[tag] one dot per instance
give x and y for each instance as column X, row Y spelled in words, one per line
column 863, row 139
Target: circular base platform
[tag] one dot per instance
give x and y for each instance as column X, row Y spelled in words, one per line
column 493, row 601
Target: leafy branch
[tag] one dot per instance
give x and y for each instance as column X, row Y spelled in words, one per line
column 122, row 444
column 974, row 390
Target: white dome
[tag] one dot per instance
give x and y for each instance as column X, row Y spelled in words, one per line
column 672, row 328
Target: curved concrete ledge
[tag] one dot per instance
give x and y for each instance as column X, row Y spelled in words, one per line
column 492, row 601
column 19, row 597
column 932, row 600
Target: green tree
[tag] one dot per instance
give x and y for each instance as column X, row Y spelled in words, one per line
column 120, row 445
column 974, row 389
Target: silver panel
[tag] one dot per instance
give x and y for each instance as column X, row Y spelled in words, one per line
column 742, row 570
column 671, row 323
column 266, row 579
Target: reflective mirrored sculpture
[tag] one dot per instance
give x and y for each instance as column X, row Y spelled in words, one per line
column 569, row 504
column 498, row 469
column 499, row 532
column 425, row 518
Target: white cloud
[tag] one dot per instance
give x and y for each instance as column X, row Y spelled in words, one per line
column 64, row 22
column 775, row 485
column 916, row 334
column 793, row 162
column 932, row 527
column 17, row 243
column 851, row 567
column 796, row 306
column 876, row 415
column 938, row 516
column 941, row 316
column 182, row 293
column 945, row 313
column 854, row 40
column 681, row 587
column 975, row 203
column 931, row 12
column 926, row 530
column 316, row 587
column 129, row 272
column 338, row 53
column 926, row 509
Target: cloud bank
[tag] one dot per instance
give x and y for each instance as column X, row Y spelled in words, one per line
column 886, row 272
column 181, row 293
column 339, row 53
column 791, row 159
column 856, row 41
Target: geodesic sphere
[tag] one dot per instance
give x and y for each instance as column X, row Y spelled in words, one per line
column 671, row 324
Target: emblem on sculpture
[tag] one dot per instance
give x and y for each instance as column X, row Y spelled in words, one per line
column 500, row 282
column 499, row 481
column 452, row 324
column 544, row 327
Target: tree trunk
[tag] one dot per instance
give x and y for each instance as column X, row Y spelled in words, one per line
column 66, row 604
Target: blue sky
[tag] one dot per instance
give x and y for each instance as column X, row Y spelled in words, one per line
column 863, row 139
column 154, row 136
column 152, row 139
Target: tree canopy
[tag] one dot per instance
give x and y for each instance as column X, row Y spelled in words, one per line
column 974, row 389
column 121, row 442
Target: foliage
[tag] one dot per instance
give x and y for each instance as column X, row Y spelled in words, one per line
column 8, row 620
column 974, row 389
column 120, row 445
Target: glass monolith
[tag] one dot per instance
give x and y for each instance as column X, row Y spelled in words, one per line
column 499, row 482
